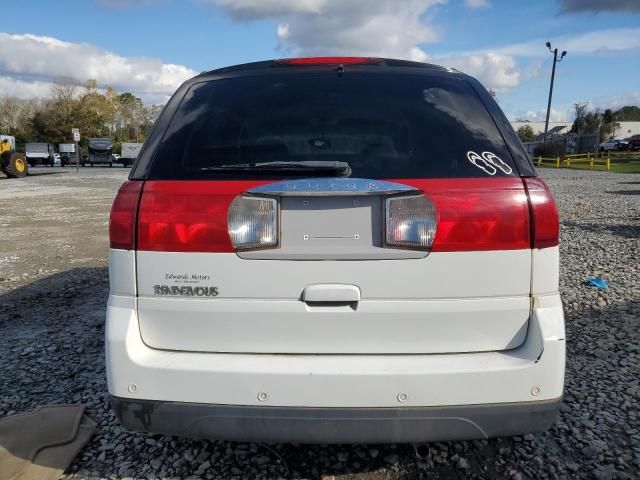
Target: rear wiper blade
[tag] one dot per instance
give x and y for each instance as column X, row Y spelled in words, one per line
column 305, row 166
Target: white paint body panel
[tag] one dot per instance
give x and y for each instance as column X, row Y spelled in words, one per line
column 445, row 302
column 455, row 275
column 137, row 371
column 545, row 271
column 375, row 326
column 122, row 272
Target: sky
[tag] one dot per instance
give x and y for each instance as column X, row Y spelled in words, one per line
column 149, row 47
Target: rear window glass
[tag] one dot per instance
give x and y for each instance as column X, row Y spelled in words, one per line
column 381, row 125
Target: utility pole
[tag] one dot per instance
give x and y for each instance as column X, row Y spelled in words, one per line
column 553, row 74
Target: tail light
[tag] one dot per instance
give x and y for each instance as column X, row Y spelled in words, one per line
column 474, row 214
column 122, row 220
column 478, row 214
column 410, row 222
column 329, row 60
column 544, row 212
column 253, row 222
column 178, row 216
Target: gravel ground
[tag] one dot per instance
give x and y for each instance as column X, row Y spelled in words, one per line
column 53, row 287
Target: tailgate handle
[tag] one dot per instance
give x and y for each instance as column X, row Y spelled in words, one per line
column 331, row 292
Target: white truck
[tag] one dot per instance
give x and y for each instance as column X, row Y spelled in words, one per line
column 39, row 154
column 129, row 153
column 67, row 153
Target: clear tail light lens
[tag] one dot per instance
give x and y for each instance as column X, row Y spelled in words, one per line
column 410, row 222
column 253, row 222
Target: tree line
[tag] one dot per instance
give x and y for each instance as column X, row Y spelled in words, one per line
column 121, row 116
column 605, row 123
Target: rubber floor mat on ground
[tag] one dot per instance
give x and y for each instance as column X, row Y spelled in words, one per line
column 39, row 445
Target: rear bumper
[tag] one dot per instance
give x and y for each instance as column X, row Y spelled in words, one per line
column 335, row 425
column 336, row 398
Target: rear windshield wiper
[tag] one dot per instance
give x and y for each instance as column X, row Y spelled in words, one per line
column 305, row 167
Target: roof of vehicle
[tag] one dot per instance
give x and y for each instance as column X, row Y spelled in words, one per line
column 337, row 62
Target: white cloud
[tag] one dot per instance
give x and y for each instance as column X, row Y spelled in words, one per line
column 497, row 67
column 15, row 87
column 255, row 9
column 614, row 102
column 477, row 3
column 496, row 71
column 386, row 28
column 541, row 115
column 33, row 61
column 343, row 27
column 610, row 41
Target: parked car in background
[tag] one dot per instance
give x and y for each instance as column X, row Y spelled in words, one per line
column 614, row 144
column 334, row 250
column 129, row 153
column 39, row 154
column 634, row 142
column 623, row 145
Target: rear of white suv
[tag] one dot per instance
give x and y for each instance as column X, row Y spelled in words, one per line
column 334, row 250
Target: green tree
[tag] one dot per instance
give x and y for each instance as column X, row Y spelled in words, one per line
column 96, row 111
column 132, row 115
column 48, row 124
column 627, row 114
column 609, row 125
column 526, row 133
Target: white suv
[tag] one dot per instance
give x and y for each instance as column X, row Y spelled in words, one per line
column 334, row 250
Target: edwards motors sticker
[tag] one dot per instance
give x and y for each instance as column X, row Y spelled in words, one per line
column 186, row 285
column 488, row 162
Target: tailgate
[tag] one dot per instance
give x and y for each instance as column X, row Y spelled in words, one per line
column 331, row 286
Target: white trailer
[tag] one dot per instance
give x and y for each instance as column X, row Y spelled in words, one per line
column 67, row 153
column 39, row 154
column 129, row 153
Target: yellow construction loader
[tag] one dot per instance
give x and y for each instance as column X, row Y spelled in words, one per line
column 12, row 163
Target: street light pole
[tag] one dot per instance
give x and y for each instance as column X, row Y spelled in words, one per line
column 553, row 75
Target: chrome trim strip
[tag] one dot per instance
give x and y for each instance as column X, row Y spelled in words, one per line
column 331, row 186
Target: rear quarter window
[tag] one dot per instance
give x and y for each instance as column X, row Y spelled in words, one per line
column 382, row 125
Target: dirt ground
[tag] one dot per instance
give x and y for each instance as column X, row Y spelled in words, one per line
column 54, row 220
column 53, row 293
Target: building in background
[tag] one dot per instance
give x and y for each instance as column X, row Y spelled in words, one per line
column 560, row 140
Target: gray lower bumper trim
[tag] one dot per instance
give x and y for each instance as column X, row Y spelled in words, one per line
column 335, row 425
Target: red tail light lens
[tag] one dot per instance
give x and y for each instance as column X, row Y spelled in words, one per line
column 329, row 60
column 478, row 213
column 546, row 221
column 122, row 220
column 176, row 216
column 473, row 214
